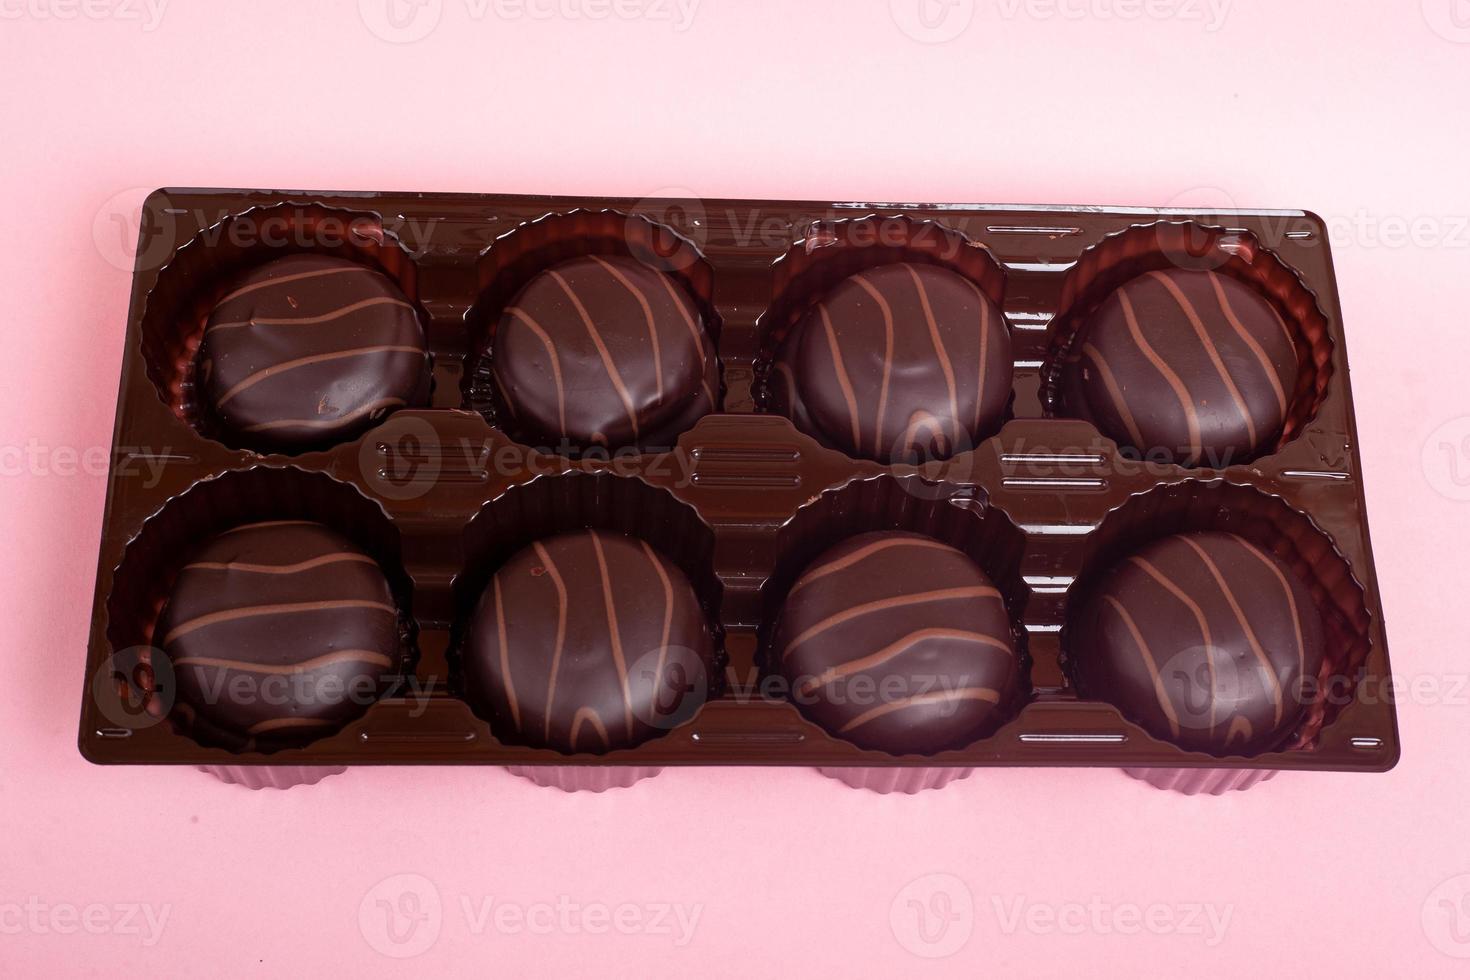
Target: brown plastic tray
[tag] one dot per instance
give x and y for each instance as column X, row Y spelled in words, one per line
column 743, row 500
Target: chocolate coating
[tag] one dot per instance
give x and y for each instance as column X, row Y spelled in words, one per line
column 309, row 350
column 898, row 362
column 587, row 642
column 1204, row 639
column 277, row 633
column 896, row 641
column 604, row 351
column 1187, row 366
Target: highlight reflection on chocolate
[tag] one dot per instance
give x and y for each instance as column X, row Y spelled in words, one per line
column 896, row 641
column 898, row 362
column 1194, row 367
column 1204, row 639
column 309, row 350
column 604, row 351
column 587, row 642
column 279, row 632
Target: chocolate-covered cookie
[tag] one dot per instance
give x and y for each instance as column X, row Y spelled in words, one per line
column 277, row 633
column 604, row 351
column 1186, row 366
column 896, row 641
column 310, row 350
column 587, row 642
column 1204, row 639
column 900, row 362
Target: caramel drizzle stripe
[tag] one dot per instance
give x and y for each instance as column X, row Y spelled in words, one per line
column 681, row 304
column 842, row 379
column 895, row 649
column 1211, row 350
column 613, row 634
column 503, row 642
column 663, row 643
column 1296, row 620
column 545, row 338
column 602, row 351
column 1250, row 634
column 887, row 312
column 1115, row 393
column 263, row 524
column 658, row 360
column 245, row 612
column 1280, row 322
column 357, row 413
column 505, row 391
column 944, row 362
column 923, row 420
column 867, row 550
column 919, row 700
column 586, row 716
column 1241, row 726
column 301, row 667
column 984, row 302
column 1250, row 341
column 896, row 602
column 300, row 566
column 294, row 277
column 561, row 629
column 787, row 376
column 1191, row 418
column 276, row 369
column 701, row 339
column 1199, row 617
column 293, row 321
column 275, row 724
column 1148, row 661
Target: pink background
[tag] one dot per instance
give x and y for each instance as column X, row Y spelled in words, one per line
column 1355, row 111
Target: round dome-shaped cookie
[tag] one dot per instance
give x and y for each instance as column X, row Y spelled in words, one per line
column 604, row 351
column 309, row 350
column 587, row 642
column 277, row 633
column 1187, row 366
column 899, row 642
column 901, row 362
column 1204, row 639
